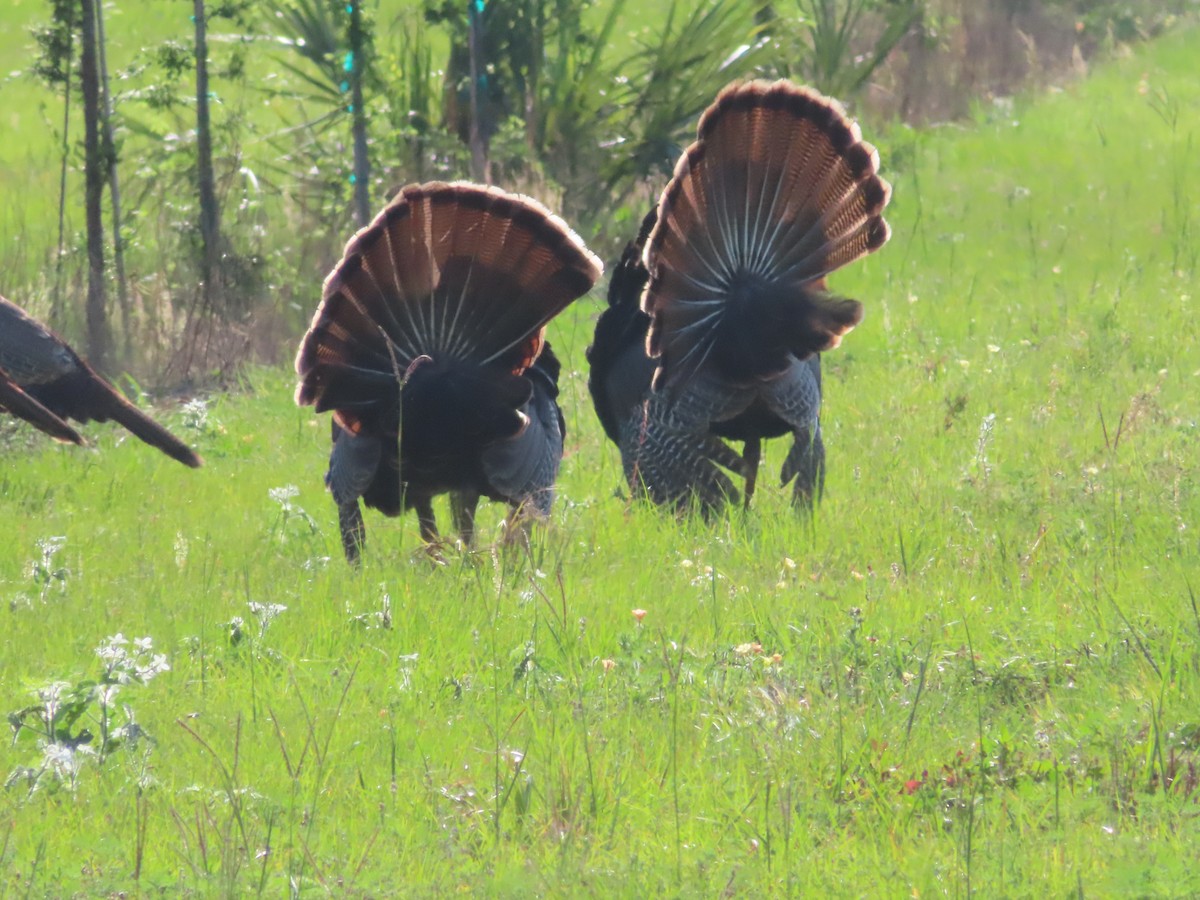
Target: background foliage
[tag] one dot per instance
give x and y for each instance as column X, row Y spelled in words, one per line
column 585, row 105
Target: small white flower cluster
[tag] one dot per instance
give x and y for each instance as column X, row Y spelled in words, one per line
column 42, row 570
column 65, row 761
column 706, row 575
column 195, row 414
column 284, row 495
column 51, row 697
column 380, row 618
column 106, row 694
column 49, row 547
column 265, row 613
column 123, row 665
column 986, row 430
column 289, row 510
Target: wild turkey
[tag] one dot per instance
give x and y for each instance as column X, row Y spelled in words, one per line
column 778, row 191
column 429, row 348
column 44, row 382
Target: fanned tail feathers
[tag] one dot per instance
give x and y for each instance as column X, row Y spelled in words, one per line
column 778, row 190
column 454, row 272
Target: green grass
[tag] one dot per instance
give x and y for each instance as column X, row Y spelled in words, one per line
column 988, row 649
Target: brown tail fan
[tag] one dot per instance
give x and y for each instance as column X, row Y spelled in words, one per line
column 778, row 190
column 455, row 272
column 429, row 346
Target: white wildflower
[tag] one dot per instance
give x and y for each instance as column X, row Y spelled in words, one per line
column 195, row 414
column 65, row 761
column 284, row 496
column 51, row 697
column 106, row 694
column 265, row 613
column 122, row 666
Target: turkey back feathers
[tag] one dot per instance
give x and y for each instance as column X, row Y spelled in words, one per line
column 619, row 370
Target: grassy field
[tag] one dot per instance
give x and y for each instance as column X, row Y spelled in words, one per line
column 975, row 672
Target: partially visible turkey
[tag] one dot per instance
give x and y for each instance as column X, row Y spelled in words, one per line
column 45, row 382
column 718, row 311
column 429, row 348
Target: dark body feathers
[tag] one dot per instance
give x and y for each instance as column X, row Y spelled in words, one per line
column 44, row 382
column 719, row 309
column 429, row 348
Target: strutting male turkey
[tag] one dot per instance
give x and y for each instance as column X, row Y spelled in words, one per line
column 45, row 382
column 429, row 348
column 719, row 308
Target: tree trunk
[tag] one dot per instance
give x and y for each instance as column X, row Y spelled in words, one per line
column 362, row 164
column 210, row 214
column 56, row 310
column 532, row 79
column 97, row 316
column 114, row 185
column 480, row 168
